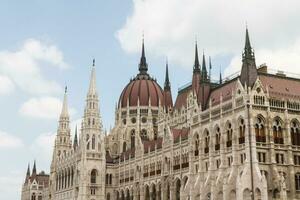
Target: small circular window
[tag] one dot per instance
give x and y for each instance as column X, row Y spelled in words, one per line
column 133, row 120
column 144, row 119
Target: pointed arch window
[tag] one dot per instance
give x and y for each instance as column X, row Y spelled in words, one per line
column 218, row 139
column 229, row 134
column 295, row 133
column 197, row 144
column 124, row 146
column 88, row 142
column 297, row 181
column 242, row 128
column 206, row 141
column 94, row 176
column 144, row 135
column 277, row 132
column 93, row 142
column 260, row 130
column 132, row 138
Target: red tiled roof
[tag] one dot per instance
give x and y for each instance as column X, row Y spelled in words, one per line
column 182, row 98
column 224, row 90
column 281, row 87
column 151, row 144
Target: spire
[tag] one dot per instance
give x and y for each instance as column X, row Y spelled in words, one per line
column 75, row 143
column 167, row 85
column 64, row 111
column 248, row 51
column 92, row 88
column 210, row 67
column 204, row 70
column 249, row 72
column 28, row 170
column 220, row 78
column 196, row 62
column 34, row 169
column 143, row 66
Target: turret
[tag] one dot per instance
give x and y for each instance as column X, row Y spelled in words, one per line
column 249, row 70
column 204, row 78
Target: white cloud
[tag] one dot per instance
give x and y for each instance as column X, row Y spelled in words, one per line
column 43, row 107
column 24, row 66
column 6, row 85
column 42, row 147
column 11, row 182
column 9, row 141
column 170, row 27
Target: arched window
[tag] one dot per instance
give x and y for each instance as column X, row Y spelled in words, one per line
column 93, row 142
column 93, row 176
column 144, row 134
column 124, row 146
column 277, row 132
column 218, row 139
column 88, row 143
column 297, row 181
column 242, row 128
column 132, row 137
column 197, row 144
column 207, row 139
column 295, row 134
column 33, row 196
column 260, row 130
column 229, row 134
column 108, row 196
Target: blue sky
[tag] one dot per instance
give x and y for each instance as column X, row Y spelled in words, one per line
column 45, row 45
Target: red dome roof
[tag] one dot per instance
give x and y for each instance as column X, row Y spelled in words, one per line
column 143, row 88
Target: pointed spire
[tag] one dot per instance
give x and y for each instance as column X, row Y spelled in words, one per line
column 28, row 170
column 210, row 68
column 34, row 169
column 92, row 87
column 248, row 51
column 220, row 78
column 143, row 66
column 249, row 71
column 167, row 85
column 204, row 70
column 75, row 143
column 196, row 62
column 64, row 110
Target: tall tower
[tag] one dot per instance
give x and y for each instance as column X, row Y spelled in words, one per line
column 92, row 165
column 63, row 141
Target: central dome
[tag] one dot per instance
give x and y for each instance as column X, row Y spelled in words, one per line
column 142, row 88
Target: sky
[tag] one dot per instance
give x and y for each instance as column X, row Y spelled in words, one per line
column 46, row 45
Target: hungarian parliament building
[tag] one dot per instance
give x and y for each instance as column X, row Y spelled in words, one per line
column 232, row 139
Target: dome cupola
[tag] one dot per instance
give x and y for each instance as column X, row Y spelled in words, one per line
column 143, row 88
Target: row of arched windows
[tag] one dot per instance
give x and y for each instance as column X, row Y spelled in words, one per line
column 65, row 179
column 90, row 144
column 260, row 133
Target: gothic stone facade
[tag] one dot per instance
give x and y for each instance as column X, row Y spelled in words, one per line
column 237, row 139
